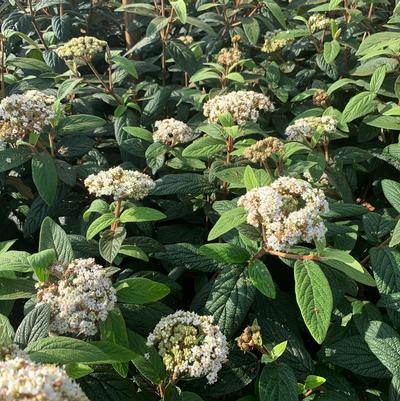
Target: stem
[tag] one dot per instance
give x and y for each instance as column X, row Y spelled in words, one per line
column 51, row 143
column 229, row 148
column 117, row 214
column 35, row 25
column 127, row 20
column 326, row 152
column 267, row 168
column 371, row 11
column 2, row 67
column 161, row 390
column 285, row 255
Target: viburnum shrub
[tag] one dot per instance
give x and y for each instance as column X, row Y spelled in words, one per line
column 199, row 200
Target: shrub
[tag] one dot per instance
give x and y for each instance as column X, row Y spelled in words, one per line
column 200, row 201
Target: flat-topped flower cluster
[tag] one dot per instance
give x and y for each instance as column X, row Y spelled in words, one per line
column 288, row 211
column 242, row 105
column 318, row 22
column 120, row 183
column 23, row 380
column 273, row 43
column 171, row 132
column 80, row 295
column 84, row 47
column 190, row 345
column 22, row 114
column 306, row 127
column 263, row 149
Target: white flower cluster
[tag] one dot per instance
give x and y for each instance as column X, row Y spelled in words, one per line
column 306, row 127
column 23, row 380
column 172, row 132
column 80, row 295
column 242, row 105
column 190, row 345
column 272, row 43
column 318, row 22
column 22, row 114
column 120, row 184
column 11, row 351
column 229, row 57
column 262, row 150
column 84, row 47
column 288, row 211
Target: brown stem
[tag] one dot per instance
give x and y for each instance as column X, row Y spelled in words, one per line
column 161, row 390
column 229, row 148
column 117, row 214
column 384, row 243
column 128, row 17
column 326, row 152
column 51, row 143
column 371, row 11
column 285, row 255
column 35, row 25
column 267, row 168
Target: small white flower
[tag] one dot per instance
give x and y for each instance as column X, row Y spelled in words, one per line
column 288, row 210
column 190, row 345
column 82, row 47
column 306, row 127
column 8, row 160
column 171, row 132
column 80, row 295
column 242, row 105
column 22, row 380
column 120, row 184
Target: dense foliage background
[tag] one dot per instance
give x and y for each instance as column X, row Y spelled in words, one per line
column 328, row 312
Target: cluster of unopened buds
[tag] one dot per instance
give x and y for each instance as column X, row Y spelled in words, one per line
column 171, row 132
column 263, row 149
column 321, row 98
column 190, row 345
column 287, row 211
column 83, row 47
column 186, row 39
column 229, row 57
column 273, row 42
column 318, row 22
column 250, row 338
column 120, row 184
column 80, row 295
column 24, row 114
column 308, row 126
column 23, row 380
column 242, row 105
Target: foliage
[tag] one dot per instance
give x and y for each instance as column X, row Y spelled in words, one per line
column 326, row 310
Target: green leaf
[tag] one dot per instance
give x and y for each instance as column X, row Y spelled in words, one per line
column 16, row 261
column 204, row 74
column 16, row 288
column 358, row 106
column 134, row 252
column 314, row 297
column 98, row 225
column 377, row 79
column 261, row 278
column 44, row 174
column 185, row 184
column 77, row 370
column 183, row 56
column 276, row 12
column 141, row 214
column 395, row 240
column 52, row 236
column 13, row 157
column 391, row 189
column 34, row 326
column 139, row 132
column 250, row 179
column 277, row 383
column 79, row 123
column 331, row 51
column 127, row 65
column 251, row 28
column 155, row 25
column 235, row 76
column 344, row 262
column 139, row 290
column 40, row 261
column 180, row 9
column 230, row 299
column 147, row 359
column 6, row 330
column 384, row 343
column 204, row 147
column 68, row 87
column 110, row 243
column 97, row 206
column 228, row 220
column 225, row 253
column 313, row 382
column 62, row 350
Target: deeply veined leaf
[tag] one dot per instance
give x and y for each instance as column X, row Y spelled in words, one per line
column 228, row 220
column 314, row 297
